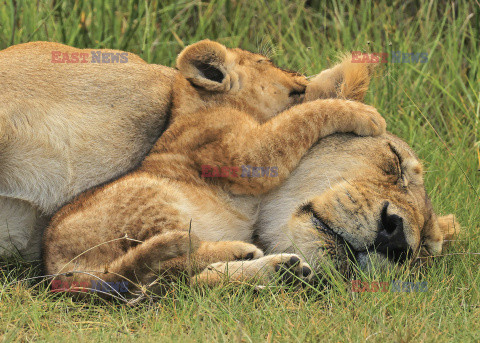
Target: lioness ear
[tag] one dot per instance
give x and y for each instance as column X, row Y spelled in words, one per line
column 346, row 80
column 439, row 232
column 449, row 227
column 204, row 65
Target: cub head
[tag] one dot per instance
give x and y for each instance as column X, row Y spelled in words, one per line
column 211, row 74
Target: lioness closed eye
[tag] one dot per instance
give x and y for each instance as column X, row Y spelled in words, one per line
column 230, row 108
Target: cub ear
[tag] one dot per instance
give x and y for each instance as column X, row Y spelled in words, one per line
column 204, row 65
column 346, row 80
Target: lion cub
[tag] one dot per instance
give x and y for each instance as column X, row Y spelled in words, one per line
column 231, row 108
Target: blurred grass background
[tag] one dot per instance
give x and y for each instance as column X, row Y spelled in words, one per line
column 434, row 106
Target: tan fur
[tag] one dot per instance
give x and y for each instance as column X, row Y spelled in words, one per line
column 230, row 108
column 66, row 127
column 449, row 228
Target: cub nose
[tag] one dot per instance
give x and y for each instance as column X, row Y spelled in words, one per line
column 391, row 238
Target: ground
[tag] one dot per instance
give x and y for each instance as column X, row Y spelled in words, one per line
column 434, row 106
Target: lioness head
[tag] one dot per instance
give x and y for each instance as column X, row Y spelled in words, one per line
column 213, row 75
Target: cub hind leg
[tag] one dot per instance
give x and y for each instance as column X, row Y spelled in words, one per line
column 136, row 265
column 176, row 253
column 136, row 234
column 168, row 254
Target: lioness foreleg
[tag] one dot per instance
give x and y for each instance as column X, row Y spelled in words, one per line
column 288, row 267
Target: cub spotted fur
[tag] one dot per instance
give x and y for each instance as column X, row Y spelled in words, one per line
column 230, row 108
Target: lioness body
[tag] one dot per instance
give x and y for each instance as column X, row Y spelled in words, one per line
column 220, row 117
column 66, row 127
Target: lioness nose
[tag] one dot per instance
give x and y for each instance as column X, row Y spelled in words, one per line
column 391, row 238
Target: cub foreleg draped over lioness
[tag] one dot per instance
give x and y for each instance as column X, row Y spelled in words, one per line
column 230, row 108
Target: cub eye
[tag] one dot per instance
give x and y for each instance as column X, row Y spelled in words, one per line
column 264, row 60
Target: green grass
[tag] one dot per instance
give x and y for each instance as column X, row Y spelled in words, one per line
column 434, row 106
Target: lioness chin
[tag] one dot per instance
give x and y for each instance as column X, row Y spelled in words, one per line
column 230, row 108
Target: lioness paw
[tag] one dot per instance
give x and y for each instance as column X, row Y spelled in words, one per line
column 289, row 268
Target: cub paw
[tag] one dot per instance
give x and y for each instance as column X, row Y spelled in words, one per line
column 245, row 251
column 366, row 120
column 229, row 251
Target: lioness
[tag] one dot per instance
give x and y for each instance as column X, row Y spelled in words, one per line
column 65, row 127
column 351, row 199
column 230, row 108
